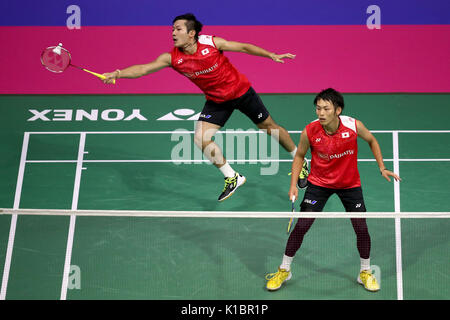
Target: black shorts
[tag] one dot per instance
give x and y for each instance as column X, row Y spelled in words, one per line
column 249, row 103
column 316, row 197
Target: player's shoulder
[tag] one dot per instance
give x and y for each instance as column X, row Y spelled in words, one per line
column 313, row 124
column 348, row 122
column 312, row 127
column 206, row 40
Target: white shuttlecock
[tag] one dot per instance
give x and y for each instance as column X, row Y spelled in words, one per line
column 57, row 50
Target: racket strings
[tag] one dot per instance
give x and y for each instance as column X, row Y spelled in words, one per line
column 53, row 61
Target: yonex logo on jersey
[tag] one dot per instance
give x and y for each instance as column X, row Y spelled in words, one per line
column 205, row 51
column 180, row 61
column 323, row 156
column 260, row 116
column 189, row 75
column 345, row 135
column 318, row 139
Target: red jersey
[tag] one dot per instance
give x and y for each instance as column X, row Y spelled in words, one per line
column 211, row 71
column 334, row 162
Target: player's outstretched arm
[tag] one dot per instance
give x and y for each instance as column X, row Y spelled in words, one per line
column 367, row 136
column 139, row 70
column 225, row 45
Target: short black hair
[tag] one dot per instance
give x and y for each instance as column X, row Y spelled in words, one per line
column 191, row 24
column 331, row 95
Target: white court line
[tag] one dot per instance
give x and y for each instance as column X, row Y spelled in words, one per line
column 423, row 160
column 76, row 190
column 398, row 232
column 207, row 161
column 177, row 160
column 51, row 161
column 12, row 229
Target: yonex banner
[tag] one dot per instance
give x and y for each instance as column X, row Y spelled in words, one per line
column 351, row 45
column 351, row 59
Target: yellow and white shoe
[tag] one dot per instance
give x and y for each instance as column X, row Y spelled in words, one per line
column 231, row 184
column 302, row 181
column 368, row 280
column 275, row 280
column 303, row 177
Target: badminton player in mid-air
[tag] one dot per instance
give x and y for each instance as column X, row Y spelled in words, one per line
column 332, row 139
column 200, row 58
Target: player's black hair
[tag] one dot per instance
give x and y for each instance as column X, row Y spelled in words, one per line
column 331, row 95
column 191, row 24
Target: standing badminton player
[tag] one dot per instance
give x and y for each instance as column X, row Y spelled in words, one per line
column 200, row 58
column 332, row 139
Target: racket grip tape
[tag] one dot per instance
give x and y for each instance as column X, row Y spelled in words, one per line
column 98, row 75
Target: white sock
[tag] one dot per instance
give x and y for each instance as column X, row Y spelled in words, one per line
column 227, row 171
column 365, row 264
column 293, row 152
column 286, row 263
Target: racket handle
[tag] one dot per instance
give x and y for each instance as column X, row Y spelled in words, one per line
column 98, row 75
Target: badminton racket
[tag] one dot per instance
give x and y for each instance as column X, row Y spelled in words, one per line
column 292, row 218
column 57, row 59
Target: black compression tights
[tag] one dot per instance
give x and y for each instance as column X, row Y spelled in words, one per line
column 303, row 225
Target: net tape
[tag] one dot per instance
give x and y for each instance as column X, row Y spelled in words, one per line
column 222, row 214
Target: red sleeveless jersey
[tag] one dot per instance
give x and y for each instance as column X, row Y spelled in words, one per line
column 211, row 71
column 334, row 162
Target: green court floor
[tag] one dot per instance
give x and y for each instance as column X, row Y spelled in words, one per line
column 127, row 164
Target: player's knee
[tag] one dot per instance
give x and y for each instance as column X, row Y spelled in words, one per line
column 271, row 129
column 268, row 125
column 360, row 225
column 302, row 226
column 200, row 140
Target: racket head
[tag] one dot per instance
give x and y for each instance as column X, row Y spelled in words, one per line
column 55, row 62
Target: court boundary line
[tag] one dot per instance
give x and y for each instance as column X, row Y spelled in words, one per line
column 231, row 161
column 74, row 207
column 397, row 222
column 13, row 224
